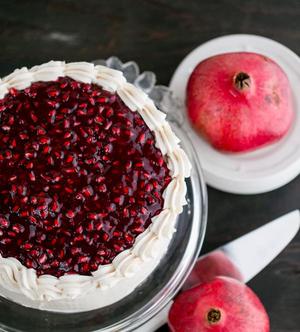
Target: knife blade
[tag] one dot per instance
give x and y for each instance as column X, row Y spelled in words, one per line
column 250, row 253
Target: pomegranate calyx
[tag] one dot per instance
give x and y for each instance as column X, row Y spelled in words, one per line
column 242, row 81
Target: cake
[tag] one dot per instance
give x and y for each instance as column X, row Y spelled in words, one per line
column 92, row 180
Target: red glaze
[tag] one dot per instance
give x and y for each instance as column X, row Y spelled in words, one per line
column 221, row 305
column 80, row 177
column 239, row 115
column 210, row 266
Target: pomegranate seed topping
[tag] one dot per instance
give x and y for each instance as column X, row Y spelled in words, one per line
column 5, row 241
column 27, row 246
column 42, row 259
column 105, row 237
column 87, row 191
column 32, row 176
column 141, row 138
column 6, row 128
column 70, row 214
column 4, row 223
column 44, row 140
column 92, row 216
column 41, row 131
column 77, row 171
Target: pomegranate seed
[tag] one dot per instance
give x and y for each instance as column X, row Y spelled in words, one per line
column 100, row 179
column 128, row 165
column 44, row 214
column 29, row 165
column 108, row 125
column 137, row 230
column 32, row 176
column 129, row 238
column 44, row 140
column 32, row 219
column 50, row 161
column 11, row 234
column 66, row 123
column 141, row 138
column 13, row 143
column 5, row 241
column 70, row 170
column 4, row 223
column 129, row 133
column 103, row 214
column 29, row 263
column 102, row 188
column 116, row 131
column 29, row 155
column 117, row 247
column 57, row 222
column 70, row 214
column 109, row 112
column 42, row 258
column 79, row 229
column 93, row 216
column 33, row 117
column 139, row 164
column 63, row 84
column 90, row 226
column 53, row 93
column 69, row 158
column 107, row 148
column 83, row 259
column 125, row 213
column 13, row 178
column 6, row 128
column 133, row 213
column 105, row 237
column 17, row 228
column 75, row 250
column 98, row 226
column 119, row 200
column 87, row 191
column 67, row 144
column 55, row 206
column 23, row 136
column 8, row 154
column 68, row 190
column 27, row 246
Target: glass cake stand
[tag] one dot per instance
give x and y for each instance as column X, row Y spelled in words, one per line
column 162, row 285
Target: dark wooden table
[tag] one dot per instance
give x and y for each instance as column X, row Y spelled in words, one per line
column 158, row 34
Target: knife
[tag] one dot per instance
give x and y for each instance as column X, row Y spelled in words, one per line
column 250, row 253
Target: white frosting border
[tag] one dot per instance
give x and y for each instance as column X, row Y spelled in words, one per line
column 15, row 277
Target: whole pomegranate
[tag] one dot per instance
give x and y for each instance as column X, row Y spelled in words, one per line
column 210, row 266
column 221, row 305
column 239, row 101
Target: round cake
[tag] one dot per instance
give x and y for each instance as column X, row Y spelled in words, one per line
column 92, row 180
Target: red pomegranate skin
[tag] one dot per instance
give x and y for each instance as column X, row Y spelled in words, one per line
column 221, row 305
column 210, row 266
column 239, row 101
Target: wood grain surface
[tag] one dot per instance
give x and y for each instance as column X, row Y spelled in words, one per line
column 158, row 34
